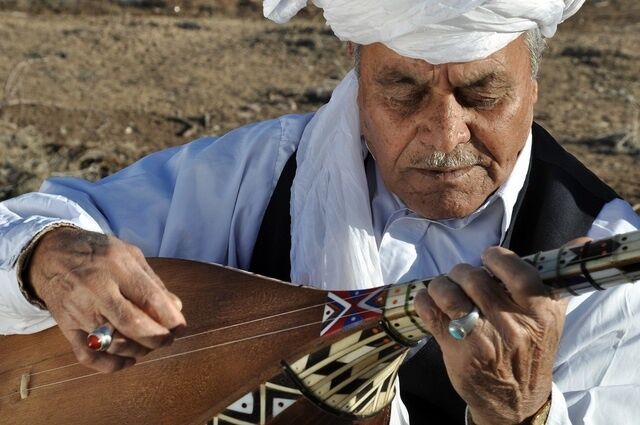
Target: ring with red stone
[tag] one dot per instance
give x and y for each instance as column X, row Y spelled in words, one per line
column 100, row 339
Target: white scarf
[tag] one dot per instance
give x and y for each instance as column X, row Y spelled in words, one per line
column 332, row 241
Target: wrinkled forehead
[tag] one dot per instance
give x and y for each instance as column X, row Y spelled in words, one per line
column 383, row 64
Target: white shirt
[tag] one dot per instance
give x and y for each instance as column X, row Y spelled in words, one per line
column 205, row 201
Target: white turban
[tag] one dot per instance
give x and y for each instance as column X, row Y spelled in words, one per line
column 436, row 31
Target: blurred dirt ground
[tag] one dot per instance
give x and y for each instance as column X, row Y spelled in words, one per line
column 89, row 86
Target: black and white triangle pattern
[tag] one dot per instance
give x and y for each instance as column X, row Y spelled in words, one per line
column 261, row 405
column 355, row 375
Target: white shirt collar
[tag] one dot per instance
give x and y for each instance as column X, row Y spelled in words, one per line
column 510, row 190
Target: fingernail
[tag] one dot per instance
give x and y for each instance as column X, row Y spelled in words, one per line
column 177, row 302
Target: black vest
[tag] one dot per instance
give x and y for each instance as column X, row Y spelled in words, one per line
column 559, row 201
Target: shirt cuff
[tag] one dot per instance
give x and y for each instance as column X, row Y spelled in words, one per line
column 558, row 414
column 17, row 313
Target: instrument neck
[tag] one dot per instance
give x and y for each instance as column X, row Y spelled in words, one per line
column 573, row 270
column 597, row 265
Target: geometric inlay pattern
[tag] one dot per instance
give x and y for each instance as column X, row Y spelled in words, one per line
column 355, row 375
column 400, row 314
column 344, row 309
column 261, row 405
column 594, row 265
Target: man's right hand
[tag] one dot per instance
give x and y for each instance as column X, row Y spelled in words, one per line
column 88, row 279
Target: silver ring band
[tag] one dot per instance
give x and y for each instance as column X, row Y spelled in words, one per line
column 100, row 339
column 462, row 327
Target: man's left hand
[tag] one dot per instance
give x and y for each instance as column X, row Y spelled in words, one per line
column 503, row 368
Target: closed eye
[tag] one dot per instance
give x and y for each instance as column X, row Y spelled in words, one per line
column 405, row 103
column 483, row 93
column 478, row 101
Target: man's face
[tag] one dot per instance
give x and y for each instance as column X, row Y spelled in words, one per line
column 445, row 136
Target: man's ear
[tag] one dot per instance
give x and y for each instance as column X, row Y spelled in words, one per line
column 534, row 91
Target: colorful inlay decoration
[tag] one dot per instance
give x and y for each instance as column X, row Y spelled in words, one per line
column 346, row 308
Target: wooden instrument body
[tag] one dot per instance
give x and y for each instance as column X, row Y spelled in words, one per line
column 245, row 331
column 196, row 383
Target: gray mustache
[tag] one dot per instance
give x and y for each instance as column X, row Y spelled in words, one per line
column 455, row 159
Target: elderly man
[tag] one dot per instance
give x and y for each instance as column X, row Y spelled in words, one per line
column 424, row 162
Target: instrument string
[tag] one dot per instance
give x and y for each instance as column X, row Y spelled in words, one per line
column 182, row 353
column 231, row 326
column 209, row 331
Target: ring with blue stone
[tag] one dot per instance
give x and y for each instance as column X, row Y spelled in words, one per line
column 460, row 328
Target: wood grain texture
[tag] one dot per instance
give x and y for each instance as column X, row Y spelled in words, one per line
column 185, row 389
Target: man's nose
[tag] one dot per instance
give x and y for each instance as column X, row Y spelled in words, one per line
column 445, row 124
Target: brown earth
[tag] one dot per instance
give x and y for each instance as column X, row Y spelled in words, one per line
column 92, row 85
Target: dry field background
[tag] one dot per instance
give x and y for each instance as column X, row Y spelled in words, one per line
column 89, row 86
